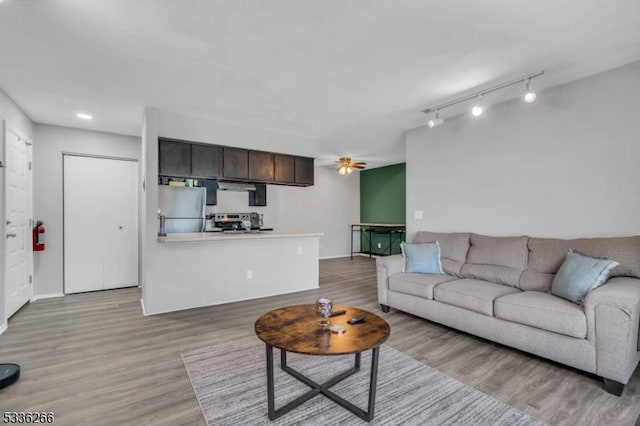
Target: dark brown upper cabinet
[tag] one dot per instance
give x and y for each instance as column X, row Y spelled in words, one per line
column 260, row 166
column 304, row 171
column 259, row 196
column 214, row 162
column 174, row 158
column 284, row 168
column 206, row 161
column 235, row 163
column 212, row 191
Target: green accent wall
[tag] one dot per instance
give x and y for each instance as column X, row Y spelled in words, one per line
column 382, row 200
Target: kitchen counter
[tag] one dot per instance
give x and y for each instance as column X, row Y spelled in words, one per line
column 212, row 268
column 231, row 236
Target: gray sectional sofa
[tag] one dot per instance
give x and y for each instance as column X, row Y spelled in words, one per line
column 498, row 288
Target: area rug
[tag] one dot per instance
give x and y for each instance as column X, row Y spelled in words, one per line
column 230, row 384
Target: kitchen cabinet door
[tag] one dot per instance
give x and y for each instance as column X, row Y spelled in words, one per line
column 206, row 161
column 304, row 171
column 212, row 191
column 260, row 166
column 259, row 196
column 284, row 168
column 235, row 163
column 174, row 158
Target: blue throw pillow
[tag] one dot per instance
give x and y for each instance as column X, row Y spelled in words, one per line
column 580, row 274
column 422, row 258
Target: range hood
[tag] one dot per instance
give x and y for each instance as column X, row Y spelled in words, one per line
column 234, row 186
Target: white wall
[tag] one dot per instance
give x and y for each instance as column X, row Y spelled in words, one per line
column 52, row 142
column 564, row 166
column 15, row 118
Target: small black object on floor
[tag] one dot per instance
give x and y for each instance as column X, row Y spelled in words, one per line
column 9, row 374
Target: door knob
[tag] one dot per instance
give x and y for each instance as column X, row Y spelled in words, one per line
column 9, row 222
column 11, row 235
column 120, row 227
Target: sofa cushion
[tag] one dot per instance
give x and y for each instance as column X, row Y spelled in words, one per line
column 500, row 260
column 420, row 285
column 453, row 249
column 422, row 258
column 544, row 311
column 547, row 254
column 580, row 274
column 475, row 295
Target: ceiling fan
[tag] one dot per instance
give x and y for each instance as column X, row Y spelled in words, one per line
column 346, row 166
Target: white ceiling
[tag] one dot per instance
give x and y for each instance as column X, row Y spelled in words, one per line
column 351, row 74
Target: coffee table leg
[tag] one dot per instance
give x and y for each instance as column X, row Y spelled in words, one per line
column 373, row 382
column 270, row 388
column 321, row 388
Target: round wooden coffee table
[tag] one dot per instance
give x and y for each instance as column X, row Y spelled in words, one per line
column 296, row 329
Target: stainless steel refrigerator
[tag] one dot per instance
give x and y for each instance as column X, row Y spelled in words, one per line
column 183, row 208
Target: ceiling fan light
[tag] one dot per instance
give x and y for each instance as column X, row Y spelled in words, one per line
column 342, row 170
column 349, row 170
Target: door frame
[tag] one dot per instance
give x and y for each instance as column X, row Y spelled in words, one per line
column 103, row 157
column 5, row 128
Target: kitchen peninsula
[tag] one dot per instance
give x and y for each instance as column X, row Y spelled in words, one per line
column 201, row 269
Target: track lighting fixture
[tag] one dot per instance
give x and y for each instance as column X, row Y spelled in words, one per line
column 434, row 122
column 529, row 95
column 477, row 110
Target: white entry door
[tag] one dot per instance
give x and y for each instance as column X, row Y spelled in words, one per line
column 100, row 223
column 17, row 215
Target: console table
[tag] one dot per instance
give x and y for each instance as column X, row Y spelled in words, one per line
column 396, row 232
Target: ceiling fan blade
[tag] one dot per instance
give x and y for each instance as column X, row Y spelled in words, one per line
column 359, row 163
column 355, row 166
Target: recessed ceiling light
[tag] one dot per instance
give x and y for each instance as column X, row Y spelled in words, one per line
column 81, row 114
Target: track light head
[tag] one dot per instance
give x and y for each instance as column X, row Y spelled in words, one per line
column 529, row 95
column 434, row 122
column 477, row 109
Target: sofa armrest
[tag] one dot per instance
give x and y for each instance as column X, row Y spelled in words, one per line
column 385, row 267
column 613, row 319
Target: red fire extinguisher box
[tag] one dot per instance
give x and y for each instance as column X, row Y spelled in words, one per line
column 38, row 236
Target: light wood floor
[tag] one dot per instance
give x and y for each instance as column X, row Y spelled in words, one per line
column 94, row 359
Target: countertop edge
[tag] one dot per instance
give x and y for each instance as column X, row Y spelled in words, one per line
column 208, row 237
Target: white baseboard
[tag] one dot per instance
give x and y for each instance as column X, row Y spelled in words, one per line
column 346, row 255
column 3, row 327
column 334, row 257
column 46, row 296
column 144, row 311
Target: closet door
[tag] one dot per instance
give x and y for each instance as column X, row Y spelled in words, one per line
column 100, row 223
